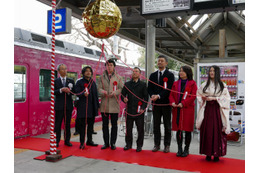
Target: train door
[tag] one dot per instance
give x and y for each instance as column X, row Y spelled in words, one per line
column 21, row 100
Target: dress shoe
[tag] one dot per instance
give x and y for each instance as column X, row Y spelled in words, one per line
column 180, row 151
column 156, row 148
column 94, row 133
column 138, row 149
column 208, row 158
column 166, row 149
column 68, row 144
column 185, row 153
column 76, row 133
column 216, row 159
column 91, row 144
column 127, row 147
column 104, row 147
column 82, row 146
column 113, row 147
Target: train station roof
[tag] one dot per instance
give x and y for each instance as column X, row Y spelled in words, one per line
column 184, row 34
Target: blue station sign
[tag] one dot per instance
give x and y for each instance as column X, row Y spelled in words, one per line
column 62, row 21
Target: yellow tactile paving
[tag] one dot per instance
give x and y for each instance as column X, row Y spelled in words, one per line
column 17, row 150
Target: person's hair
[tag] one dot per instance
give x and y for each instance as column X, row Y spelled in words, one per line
column 58, row 67
column 217, row 80
column 188, row 72
column 110, row 61
column 138, row 69
column 84, row 69
column 162, row 56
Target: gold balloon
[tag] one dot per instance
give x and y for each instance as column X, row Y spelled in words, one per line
column 102, row 18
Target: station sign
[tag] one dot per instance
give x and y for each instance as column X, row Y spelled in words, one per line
column 156, row 9
column 158, row 6
column 62, row 21
column 236, row 2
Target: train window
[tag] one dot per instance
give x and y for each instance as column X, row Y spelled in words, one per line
column 123, row 80
column 97, row 80
column 72, row 75
column 59, row 43
column 98, row 53
column 19, row 83
column 45, row 84
column 39, row 38
column 89, row 51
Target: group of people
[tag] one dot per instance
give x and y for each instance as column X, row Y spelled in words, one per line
column 174, row 101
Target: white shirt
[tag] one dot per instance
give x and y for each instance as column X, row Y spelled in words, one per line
column 61, row 78
column 159, row 77
column 159, row 73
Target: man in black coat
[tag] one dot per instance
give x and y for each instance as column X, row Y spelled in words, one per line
column 159, row 95
column 135, row 108
column 88, row 99
column 63, row 110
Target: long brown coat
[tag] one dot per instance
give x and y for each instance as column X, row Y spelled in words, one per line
column 110, row 105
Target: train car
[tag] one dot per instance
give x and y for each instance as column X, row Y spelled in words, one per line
column 32, row 74
column 32, row 78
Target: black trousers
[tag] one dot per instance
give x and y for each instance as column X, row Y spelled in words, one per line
column 158, row 113
column 77, row 125
column 59, row 116
column 82, row 129
column 105, row 129
column 139, row 122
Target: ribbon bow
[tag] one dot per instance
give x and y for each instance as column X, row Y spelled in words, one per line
column 165, row 80
column 139, row 106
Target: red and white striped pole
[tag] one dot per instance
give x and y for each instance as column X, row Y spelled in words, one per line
column 52, row 134
column 53, row 152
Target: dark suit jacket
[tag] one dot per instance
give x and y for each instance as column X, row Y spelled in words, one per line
column 140, row 90
column 154, row 89
column 60, row 97
column 93, row 103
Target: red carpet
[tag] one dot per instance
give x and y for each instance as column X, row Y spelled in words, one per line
column 192, row 163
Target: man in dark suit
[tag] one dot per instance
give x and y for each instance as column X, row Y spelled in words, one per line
column 160, row 95
column 135, row 108
column 63, row 110
column 88, row 105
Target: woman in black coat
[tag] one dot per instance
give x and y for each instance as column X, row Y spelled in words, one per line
column 88, row 99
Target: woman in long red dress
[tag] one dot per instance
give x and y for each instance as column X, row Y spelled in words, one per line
column 183, row 108
column 213, row 116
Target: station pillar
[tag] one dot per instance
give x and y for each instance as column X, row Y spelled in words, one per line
column 149, row 47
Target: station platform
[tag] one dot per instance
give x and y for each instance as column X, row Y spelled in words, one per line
column 118, row 161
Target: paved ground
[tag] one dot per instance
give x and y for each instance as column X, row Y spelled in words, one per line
column 24, row 162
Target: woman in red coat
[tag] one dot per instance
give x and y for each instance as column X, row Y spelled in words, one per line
column 183, row 108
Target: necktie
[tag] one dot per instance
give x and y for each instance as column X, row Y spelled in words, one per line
column 63, row 82
column 160, row 76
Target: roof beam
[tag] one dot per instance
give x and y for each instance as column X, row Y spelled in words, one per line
column 177, row 47
column 171, row 23
column 170, row 39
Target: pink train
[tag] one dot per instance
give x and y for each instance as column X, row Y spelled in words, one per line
column 32, row 57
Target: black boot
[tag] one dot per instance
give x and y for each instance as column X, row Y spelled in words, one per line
column 179, row 142
column 187, row 144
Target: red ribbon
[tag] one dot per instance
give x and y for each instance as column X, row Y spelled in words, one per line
column 139, row 106
column 165, row 79
column 86, row 87
column 115, row 84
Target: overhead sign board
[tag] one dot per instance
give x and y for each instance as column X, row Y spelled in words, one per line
column 159, row 6
column 62, row 21
column 236, row 2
